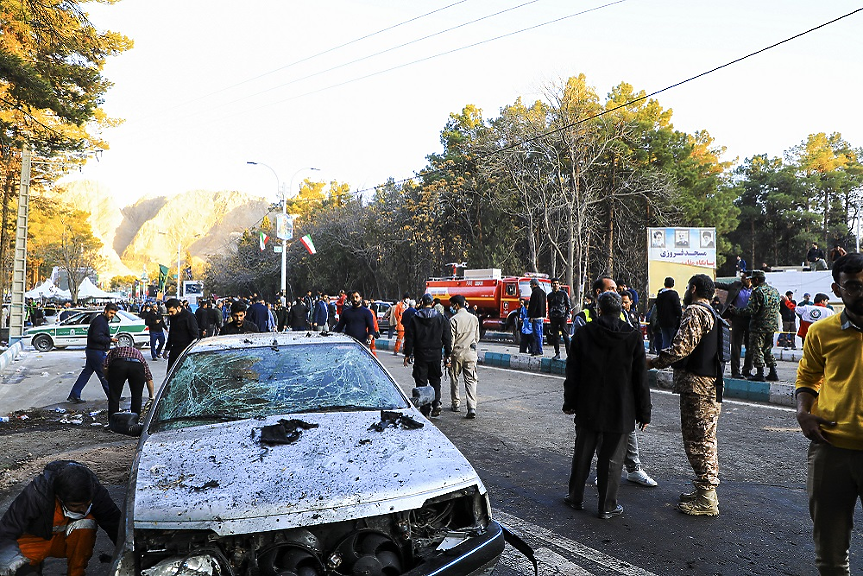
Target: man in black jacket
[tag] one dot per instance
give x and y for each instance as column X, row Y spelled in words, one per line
column 606, row 389
column 56, row 516
column 357, row 320
column 558, row 313
column 536, row 313
column 668, row 311
column 425, row 335
column 99, row 340
column 238, row 324
column 156, row 326
column 182, row 331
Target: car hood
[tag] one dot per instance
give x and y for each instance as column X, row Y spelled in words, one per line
column 219, row 477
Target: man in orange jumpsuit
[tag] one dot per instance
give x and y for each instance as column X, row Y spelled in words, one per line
column 398, row 310
column 56, row 516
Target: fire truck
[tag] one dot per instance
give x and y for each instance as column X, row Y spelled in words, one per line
column 497, row 297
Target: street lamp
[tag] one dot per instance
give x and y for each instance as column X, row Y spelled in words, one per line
column 284, row 199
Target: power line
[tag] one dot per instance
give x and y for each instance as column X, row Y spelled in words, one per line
column 308, row 58
column 635, row 100
column 447, row 52
column 385, row 51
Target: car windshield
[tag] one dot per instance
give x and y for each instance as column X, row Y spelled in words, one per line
column 233, row 384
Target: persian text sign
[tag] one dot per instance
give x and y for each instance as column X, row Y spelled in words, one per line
column 687, row 246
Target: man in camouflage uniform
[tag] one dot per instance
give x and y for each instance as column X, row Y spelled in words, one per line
column 763, row 313
column 693, row 352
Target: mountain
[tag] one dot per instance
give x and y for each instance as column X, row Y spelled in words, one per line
column 149, row 231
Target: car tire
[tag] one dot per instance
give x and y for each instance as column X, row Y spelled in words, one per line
column 516, row 334
column 125, row 340
column 42, row 343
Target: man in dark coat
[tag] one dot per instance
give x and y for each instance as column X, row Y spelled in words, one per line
column 156, row 326
column 56, row 516
column 357, row 321
column 99, row 340
column 737, row 298
column 299, row 316
column 668, row 311
column 425, row 335
column 238, row 323
column 606, row 389
column 536, row 313
column 182, row 331
column 259, row 314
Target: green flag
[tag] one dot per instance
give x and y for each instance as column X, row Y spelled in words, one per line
column 163, row 277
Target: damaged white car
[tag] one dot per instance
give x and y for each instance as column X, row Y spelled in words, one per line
column 297, row 455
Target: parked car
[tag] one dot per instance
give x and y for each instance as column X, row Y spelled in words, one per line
column 383, row 308
column 129, row 330
column 294, row 454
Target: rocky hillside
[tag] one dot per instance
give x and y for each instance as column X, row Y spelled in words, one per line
column 149, row 231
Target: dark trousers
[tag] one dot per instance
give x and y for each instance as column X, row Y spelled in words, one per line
column 428, row 372
column 175, row 352
column 526, row 343
column 739, row 335
column 609, row 465
column 157, row 342
column 121, row 371
column 558, row 327
column 92, row 364
column 668, row 333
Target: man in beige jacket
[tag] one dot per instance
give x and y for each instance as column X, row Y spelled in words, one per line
column 464, row 328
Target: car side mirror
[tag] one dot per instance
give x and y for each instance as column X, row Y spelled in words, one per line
column 125, row 423
column 422, row 396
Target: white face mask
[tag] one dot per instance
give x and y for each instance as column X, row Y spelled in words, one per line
column 75, row 515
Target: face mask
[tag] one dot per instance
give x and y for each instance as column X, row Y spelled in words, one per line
column 451, row 309
column 75, row 515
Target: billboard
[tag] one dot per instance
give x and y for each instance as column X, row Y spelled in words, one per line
column 285, row 226
column 679, row 252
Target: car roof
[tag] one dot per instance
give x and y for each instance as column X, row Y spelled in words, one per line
column 258, row 339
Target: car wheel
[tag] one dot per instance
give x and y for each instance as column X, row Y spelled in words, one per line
column 125, row 340
column 43, row 343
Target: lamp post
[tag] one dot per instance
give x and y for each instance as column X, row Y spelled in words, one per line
column 284, row 199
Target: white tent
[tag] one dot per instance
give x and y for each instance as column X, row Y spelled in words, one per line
column 86, row 289
column 48, row 290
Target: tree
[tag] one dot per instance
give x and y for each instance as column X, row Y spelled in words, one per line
column 123, row 282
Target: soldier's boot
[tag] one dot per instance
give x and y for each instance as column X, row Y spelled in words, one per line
column 705, row 504
column 689, row 496
column 773, row 376
column 759, row 375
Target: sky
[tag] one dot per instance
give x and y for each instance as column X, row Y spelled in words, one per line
column 361, row 89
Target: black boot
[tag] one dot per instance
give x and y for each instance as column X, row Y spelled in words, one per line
column 759, row 375
column 773, row 376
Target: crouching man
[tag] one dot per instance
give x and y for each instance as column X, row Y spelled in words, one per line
column 56, row 517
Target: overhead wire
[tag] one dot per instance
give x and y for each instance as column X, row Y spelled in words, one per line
column 483, row 155
column 311, row 57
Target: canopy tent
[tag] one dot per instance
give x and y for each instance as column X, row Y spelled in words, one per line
column 48, row 290
column 86, row 289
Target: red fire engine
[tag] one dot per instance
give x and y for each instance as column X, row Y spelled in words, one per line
column 497, row 297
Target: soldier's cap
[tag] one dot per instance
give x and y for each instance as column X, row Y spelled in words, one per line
column 758, row 274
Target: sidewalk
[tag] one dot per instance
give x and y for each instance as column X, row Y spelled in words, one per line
column 506, row 355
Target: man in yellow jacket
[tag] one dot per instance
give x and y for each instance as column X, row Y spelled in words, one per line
column 828, row 391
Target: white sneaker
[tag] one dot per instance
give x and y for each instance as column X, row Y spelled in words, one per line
column 641, row 477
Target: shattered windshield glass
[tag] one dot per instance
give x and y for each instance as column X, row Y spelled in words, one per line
column 233, row 384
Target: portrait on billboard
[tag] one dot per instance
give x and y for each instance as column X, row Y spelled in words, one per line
column 681, row 238
column 657, row 239
column 707, row 239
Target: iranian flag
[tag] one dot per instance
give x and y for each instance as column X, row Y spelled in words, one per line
column 307, row 242
column 264, row 239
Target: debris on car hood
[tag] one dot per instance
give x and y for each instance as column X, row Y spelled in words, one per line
column 392, row 418
column 284, row 431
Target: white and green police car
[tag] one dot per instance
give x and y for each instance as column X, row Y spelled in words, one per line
column 126, row 327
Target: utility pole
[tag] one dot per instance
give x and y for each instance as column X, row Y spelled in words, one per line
column 19, row 270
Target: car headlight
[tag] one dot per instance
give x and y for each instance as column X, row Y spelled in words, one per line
column 197, row 565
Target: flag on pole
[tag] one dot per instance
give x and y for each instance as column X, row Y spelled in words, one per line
column 307, row 242
column 163, row 277
column 264, row 239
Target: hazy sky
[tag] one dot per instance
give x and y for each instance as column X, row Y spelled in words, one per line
column 213, row 84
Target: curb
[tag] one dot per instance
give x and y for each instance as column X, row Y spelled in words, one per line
column 10, row 354
column 779, row 393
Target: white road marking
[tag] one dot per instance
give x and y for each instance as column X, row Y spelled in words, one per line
column 550, row 563
column 530, row 531
column 652, row 390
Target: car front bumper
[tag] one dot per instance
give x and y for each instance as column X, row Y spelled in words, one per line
column 475, row 556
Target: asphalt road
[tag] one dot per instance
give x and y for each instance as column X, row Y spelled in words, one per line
column 521, row 445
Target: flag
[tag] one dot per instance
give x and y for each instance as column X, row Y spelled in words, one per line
column 163, row 277
column 264, row 239
column 307, row 242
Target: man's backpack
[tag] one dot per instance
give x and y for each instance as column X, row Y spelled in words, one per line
column 723, row 348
